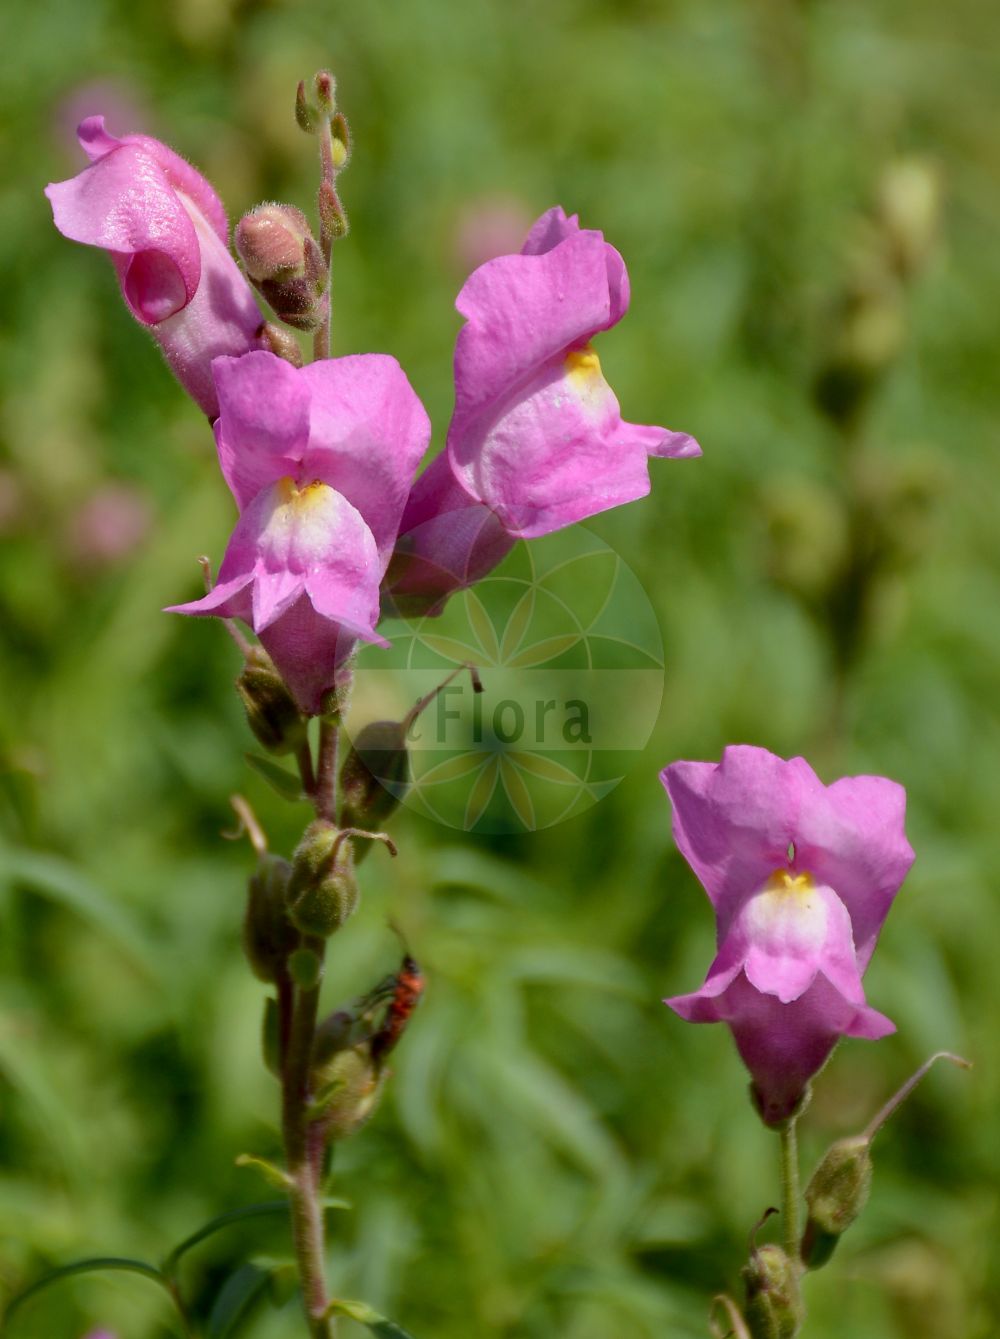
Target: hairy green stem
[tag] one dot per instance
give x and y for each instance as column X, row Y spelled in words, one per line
column 305, row 1198
column 326, row 769
column 790, row 1187
column 321, row 338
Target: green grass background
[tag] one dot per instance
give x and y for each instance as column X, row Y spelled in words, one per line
column 558, row 1154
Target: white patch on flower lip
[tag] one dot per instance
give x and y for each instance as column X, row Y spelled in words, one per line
column 788, row 916
column 298, row 530
column 785, row 929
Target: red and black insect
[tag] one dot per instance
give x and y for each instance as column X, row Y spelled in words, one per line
column 407, row 987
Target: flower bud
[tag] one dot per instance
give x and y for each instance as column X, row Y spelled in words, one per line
column 281, row 343
column 375, row 775
column 271, row 711
column 331, row 212
column 268, row 936
column 305, row 114
column 836, row 1194
column 838, row 1189
column 322, row 890
column 271, row 240
column 348, row 1089
column 326, row 92
column 909, row 207
column 340, row 146
column 774, row 1307
column 284, row 262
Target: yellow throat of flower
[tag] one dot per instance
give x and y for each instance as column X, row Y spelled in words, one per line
column 583, row 366
column 300, row 499
column 784, row 881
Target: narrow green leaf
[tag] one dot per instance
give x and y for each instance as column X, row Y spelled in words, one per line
column 288, row 786
column 361, row 1311
column 266, row 1209
column 236, row 1298
column 92, row 1265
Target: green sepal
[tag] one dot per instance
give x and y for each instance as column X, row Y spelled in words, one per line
column 270, row 1036
column 268, row 935
column 272, row 713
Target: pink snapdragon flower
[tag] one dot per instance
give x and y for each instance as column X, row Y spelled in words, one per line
column 536, row 440
column 801, row 876
column 165, row 229
column 537, row 435
column 319, row 460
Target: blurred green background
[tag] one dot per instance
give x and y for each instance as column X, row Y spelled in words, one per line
column 558, row 1154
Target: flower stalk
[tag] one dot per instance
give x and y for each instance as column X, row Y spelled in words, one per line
column 333, row 154
column 304, row 1167
column 790, row 1186
column 304, row 1137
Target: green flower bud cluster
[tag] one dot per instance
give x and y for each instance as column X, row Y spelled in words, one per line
column 348, row 1088
column 322, row 888
column 316, row 113
column 351, row 1047
column 268, row 935
column 774, row 1307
